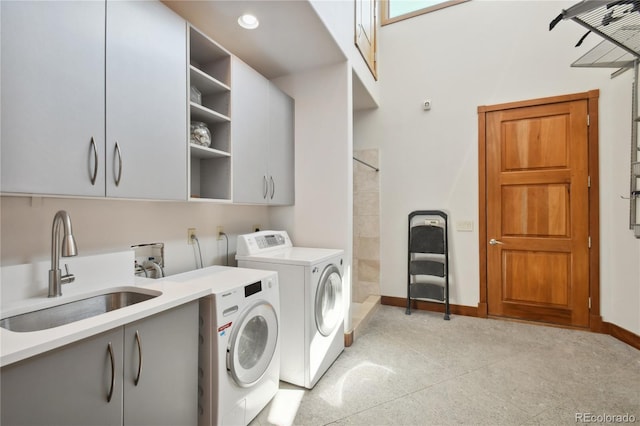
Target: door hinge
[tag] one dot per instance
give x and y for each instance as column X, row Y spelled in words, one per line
column 589, row 303
column 588, row 120
column 589, row 241
column 588, row 181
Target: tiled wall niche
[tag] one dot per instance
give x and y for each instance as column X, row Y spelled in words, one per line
column 366, row 226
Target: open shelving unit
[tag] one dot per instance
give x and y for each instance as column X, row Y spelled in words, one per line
column 209, row 72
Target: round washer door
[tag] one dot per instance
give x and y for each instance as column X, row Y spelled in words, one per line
column 252, row 343
column 328, row 307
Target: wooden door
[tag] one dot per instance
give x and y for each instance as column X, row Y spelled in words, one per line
column 537, row 212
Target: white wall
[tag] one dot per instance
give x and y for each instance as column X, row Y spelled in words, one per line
column 483, row 53
column 339, row 18
column 323, row 213
column 113, row 225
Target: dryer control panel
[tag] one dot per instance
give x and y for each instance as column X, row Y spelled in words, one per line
column 262, row 241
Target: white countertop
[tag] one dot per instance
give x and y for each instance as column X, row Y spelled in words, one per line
column 176, row 290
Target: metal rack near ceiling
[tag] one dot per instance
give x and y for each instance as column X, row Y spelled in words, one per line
column 618, row 23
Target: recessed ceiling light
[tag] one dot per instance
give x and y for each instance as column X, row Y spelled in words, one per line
column 248, row 21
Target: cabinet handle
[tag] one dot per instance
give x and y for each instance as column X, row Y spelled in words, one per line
column 113, row 372
column 265, row 187
column 273, row 187
column 95, row 161
column 119, row 153
column 135, row 382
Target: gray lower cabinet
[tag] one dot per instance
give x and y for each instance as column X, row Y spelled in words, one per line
column 66, row 386
column 93, row 382
column 166, row 392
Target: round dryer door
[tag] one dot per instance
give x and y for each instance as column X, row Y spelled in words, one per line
column 329, row 300
column 252, row 343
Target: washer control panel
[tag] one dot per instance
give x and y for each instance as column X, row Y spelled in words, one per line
column 271, row 240
column 262, row 241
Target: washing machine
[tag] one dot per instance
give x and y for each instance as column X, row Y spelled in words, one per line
column 311, row 301
column 239, row 353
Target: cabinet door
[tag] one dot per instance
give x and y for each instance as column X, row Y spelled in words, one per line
column 67, row 386
column 249, row 133
column 161, row 352
column 146, row 142
column 53, row 69
column 281, row 147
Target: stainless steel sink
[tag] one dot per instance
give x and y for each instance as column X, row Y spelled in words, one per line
column 73, row 311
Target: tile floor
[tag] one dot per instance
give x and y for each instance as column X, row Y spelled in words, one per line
column 422, row 370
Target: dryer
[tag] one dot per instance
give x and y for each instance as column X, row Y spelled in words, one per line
column 311, row 301
column 239, row 353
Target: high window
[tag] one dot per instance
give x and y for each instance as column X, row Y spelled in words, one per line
column 397, row 10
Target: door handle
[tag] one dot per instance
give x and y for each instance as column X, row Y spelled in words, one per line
column 493, row 242
column 119, row 153
column 95, row 162
column 265, row 187
column 137, row 379
column 113, row 372
column 273, row 187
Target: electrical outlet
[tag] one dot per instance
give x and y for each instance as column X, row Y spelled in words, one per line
column 191, row 233
column 219, row 232
column 256, row 228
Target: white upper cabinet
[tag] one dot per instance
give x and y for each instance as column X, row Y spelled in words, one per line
column 281, row 147
column 146, row 109
column 96, row 102
column 53, row 73
column 263, row 139
column 250, row 134
column 57, row 136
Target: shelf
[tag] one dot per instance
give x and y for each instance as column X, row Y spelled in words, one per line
column 195, row 198
column 208, row 57
column 206, row 84
column 201, row 113
column 615, row 21
column 203, row 49
column 210, row 167
column 203, row 152
column 605, row 55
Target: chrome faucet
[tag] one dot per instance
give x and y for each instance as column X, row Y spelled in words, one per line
column 69, row 248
